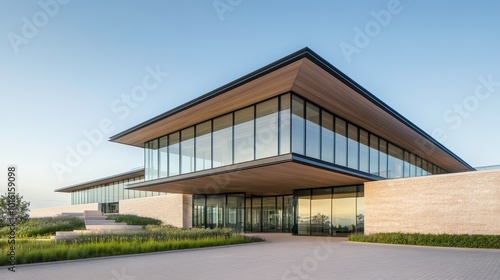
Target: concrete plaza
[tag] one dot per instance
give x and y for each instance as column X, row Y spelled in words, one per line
column 281, row 257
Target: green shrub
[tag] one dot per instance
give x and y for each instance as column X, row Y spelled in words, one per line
column 45, row 227
column 133, row 220
column 443, row 240
column 152, row 240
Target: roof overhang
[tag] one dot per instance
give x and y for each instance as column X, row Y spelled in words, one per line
column 271, row 176
column 307, row 74
column 105, row 180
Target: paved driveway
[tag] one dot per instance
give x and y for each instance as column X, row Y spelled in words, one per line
column 281, row 257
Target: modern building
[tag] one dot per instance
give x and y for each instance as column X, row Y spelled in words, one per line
column 286, row 148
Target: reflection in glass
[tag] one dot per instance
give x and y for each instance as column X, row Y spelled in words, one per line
column 364, row 151
column 284, row 124
column 312, row 131
column 266, row 128
column 352, row 146
column 321, row 210
column 256, row 214
column 298, row 125
column 374, row 155
column 173, row 154
column 223, row 141
column 344, row 210
column 244, row 135
column 327, row 136
column 395, row 161
column 187, row 150
column 303, row 211
column 383, row 158
column 163, row 157
column 340, row 142
column 203, row 146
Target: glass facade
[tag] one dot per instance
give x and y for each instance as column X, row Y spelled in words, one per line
column 250, row 214
column 110, row 194
column 277, row 126
column 336, row 211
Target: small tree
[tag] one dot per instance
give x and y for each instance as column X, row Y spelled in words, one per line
column 20, row 209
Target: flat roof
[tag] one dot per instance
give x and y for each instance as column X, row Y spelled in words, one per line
column 105, row 180
column 310, row 76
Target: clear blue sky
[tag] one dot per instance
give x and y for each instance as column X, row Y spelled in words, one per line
column 63, row 66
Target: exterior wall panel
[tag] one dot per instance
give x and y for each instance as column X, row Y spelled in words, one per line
column 460, row 203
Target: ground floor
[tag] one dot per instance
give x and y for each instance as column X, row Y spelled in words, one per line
column 335, row 211
column 281, row 256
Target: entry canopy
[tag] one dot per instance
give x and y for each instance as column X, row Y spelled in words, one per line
column 310, row 76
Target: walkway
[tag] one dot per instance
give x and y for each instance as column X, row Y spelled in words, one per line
column 281, row 257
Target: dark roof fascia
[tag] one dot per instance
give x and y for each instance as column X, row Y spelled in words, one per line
column 128, row 174
column 318, row 60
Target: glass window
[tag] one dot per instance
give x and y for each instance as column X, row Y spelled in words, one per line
column 204, row 146
column 383, row 158
column 187, row 146
column 215, row 211
column 303, row 211
column 151, row 159
column 256, row 214
column 406, row 164
column 298, row 125
column 269, row 218
column 163, row 160
column 327, row 136
column 312, row 131
column 244, row 135
column 344, row 210
column 360, row 209
column 364, row 151
column 395, row 161
column 173, row 154
column 284, row 124
column 419, row 166
column 321, row 211
column 340, row 142
column 424, row 168
column 353, row 146
column 266, row 128
column 374, row 155
column 199, row 210
column 413, row 165
column 223, row 140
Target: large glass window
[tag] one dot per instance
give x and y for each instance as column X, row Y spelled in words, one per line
column 383, row 158
column 303, row 211
column 223, row 141
column 187, row 150
column 199, row 211
column 173, row 154
column 344, row 210
column 151, row 159
column 313, row 132
column 360, row 209
column 203, row 146
column 215, row 211
column 340, row 142
column 257, row 214
column 284, row 124
column 352, row 146
column 163, row 157
column 269, row 215
column 374, row 155
column 327, row 136
column 395, row 161
column 244, row 135
column 321, row 210
column 364, row 151
column 266, row 128
column 298, row 125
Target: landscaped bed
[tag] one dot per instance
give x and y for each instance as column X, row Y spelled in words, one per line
column 443, row 240
column 153, row 239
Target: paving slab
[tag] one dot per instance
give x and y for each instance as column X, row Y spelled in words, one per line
column 281, row 257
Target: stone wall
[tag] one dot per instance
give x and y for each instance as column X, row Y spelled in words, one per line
column 459, row 203
column 54, row 211
column 171, row 209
